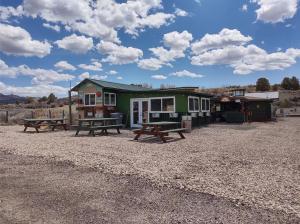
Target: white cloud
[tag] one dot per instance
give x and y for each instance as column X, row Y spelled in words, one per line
column 185, row 73
column 274, row 11
column 234, row 51
column 76, row 44
column 117, row 54
column 99, row 77
column 94, row 66
column 35, row 91
column 64, row 65
column 112, row 72
column 39, row 75
column 245, row 8
column 52, row 27
column 119, row 77
column 7, row 12
column 150, row 64
column 177, row 44
column 84, row 75
column 17, row 41
column 178, row 41
column 180, row 12
column 159, row 77
column 225, row 37
column 101, row 19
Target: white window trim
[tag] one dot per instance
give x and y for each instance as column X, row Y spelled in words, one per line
column 208, row 105
column 89, row 105
column 193, row 97
column 164, row 97
column 109, row 99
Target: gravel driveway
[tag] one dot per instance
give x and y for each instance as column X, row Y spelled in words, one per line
column 257, row 165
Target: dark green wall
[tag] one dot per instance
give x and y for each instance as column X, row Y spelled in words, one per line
column 261, row 111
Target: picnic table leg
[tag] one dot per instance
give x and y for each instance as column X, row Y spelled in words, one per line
column 162, row 138
column 181, row 135
column 37, row 129
column 78, row 128
column 118, row 130
column 138, row 135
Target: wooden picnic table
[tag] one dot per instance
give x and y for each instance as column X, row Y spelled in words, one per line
column 50, row 122
column 159, row 129
column 93, row 124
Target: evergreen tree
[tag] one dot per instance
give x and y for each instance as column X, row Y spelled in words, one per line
column 262, row 84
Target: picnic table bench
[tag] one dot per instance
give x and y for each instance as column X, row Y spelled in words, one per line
column 158, row 129
column 94, row 124
column 50, row 122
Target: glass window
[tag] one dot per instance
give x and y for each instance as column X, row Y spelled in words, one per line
column 196, row 104
column 155, row 104
column 90, row 99
column 168, row 104
column 113, row 99
column 162, row 104
column 205, row 104
column 193, row 104
column 109, row 99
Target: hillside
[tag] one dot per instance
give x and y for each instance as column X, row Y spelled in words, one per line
column 7, row 99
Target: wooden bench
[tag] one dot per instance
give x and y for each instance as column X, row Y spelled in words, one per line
column 103, row 128
column 178, row 130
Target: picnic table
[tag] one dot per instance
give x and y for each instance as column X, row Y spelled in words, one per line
column 93, row 124
column 50, row 122
column 159, row 129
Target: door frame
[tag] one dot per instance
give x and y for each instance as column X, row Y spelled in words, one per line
column 140, row 100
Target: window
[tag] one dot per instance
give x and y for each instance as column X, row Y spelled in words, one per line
column 90, row 99
column 193, row 104
column 162, row 105
column 205, row 104
column 109, row 99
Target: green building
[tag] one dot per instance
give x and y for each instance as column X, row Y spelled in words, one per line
column 139, row 104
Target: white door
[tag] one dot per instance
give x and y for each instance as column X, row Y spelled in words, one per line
column 139, row 112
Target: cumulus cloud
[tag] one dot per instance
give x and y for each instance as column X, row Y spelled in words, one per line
column 112, row 72
column 245, row 8
column 76, row 44
column 35, row 91
column 52, row 27
column 185, row 73
column 176, row 44
column 159, row 77
column 274, row 11
column 235, row 51
column 117, row 54
column 225, row 37
column 94, row 66
column 7, row 12
column 39, row 75
column 150, row 64
column 84, row 75
column 64, row 65
column 100, row 19
column 119, row 77
column 17, row 41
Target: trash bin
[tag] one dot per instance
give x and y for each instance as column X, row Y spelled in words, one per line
column 119, row 116
column 186, row 122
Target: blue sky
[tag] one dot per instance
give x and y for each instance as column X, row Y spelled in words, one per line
column 45, row 44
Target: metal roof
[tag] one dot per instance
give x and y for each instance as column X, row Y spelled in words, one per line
column 113, row 85
column 264, row 95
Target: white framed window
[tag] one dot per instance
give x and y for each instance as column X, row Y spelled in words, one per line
column 205, row 104
column 193, row 104
column 109, row 99
column 162, row 105
column 89, row 99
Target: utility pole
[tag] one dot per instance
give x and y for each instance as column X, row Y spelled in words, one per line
column 70, row 106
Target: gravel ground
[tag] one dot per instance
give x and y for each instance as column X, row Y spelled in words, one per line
column 39, row 190
column 256, row 165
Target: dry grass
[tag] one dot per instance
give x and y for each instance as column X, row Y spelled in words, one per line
column 256, row 164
